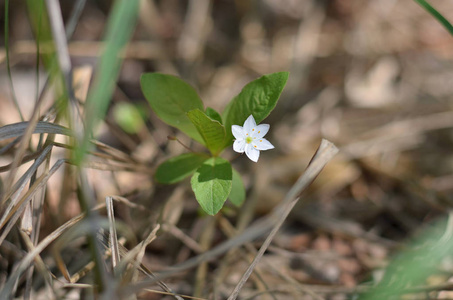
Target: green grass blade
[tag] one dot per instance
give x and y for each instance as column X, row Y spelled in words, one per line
column 39, row 22
column 436, row 15
column 119, row 29
column 412, row 267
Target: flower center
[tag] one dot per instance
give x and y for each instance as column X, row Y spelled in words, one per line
column 248, row 139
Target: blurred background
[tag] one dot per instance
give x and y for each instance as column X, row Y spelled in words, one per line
column 373, row 77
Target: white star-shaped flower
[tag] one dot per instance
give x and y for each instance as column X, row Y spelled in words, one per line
column 249, row 139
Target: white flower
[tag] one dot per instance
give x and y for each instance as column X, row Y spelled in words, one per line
column 249, row 139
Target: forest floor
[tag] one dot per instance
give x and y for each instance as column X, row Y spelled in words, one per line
column 372, row 77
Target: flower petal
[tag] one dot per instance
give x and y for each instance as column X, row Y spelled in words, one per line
column 249, row 124
column 239, row 145
column 252, row 153
column 261, row 130
column 262, row 144
column 237, row 131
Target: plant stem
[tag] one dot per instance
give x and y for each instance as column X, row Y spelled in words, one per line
column 173, row 138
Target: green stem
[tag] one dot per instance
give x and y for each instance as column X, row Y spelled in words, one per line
column 436, row 15
column 173, row 138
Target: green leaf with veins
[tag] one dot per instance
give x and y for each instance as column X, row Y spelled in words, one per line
column 212, row 183
column 171, row 99
column 258, row 98
column 212, row 132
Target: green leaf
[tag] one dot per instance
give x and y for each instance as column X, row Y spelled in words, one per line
column 213, row 114
column 258, row 98
column 177, row 168
column 212, row 184
column 237, row 195
column 171, row 99
column 212, row 132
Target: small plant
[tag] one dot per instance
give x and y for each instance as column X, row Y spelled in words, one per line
column 213, row 179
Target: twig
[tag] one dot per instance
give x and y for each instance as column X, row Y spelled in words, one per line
column 297, row 286
column 41, row 266
column 205, row 243
column 136, row 256
column 113, row 239
column 230, row 231
column 184, row 238
column 325, row 152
